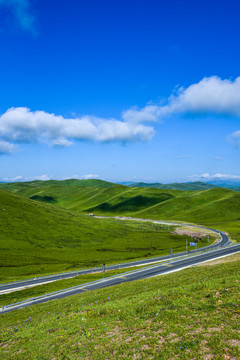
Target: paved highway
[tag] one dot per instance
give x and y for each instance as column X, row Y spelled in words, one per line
column 18, row 285
column 156, row 270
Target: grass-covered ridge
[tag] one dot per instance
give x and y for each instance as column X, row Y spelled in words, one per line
column 167, row 317
column 188, row 186
column 217, row 207
column 204, row 206
column 40, row 238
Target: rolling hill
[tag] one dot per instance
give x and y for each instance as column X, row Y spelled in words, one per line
column 40, row 238
column 190, row 186
column 210, row 206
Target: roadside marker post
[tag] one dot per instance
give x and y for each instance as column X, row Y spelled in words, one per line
column 171, row 251
column 103, row 269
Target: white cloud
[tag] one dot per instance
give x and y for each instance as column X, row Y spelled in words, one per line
column 61, row 141
column 13, row 179
column 43, row 177
column 148, row 113
column 6, row 147
column 210, row 95
column 89, row 176
column 81, row 177
column 21, row 12
column 46, row 177
column 23, row 125
column 208, row 177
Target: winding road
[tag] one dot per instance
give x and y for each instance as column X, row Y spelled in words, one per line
column 210, row 253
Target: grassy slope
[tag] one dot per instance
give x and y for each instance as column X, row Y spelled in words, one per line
column 38, row 238
column 171, row 316
column 193, row 186
column 107, row 198
column 215, row 207
column 167, row 317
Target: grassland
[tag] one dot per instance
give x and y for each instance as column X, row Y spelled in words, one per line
column 192, row 186
column 205, row 206
column 167, row 317
column 217, row 207
column 38, row 238
column 193, row 314
column 43, row 229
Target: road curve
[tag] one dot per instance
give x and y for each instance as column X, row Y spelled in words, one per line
column 18, row 285
column 131, row 276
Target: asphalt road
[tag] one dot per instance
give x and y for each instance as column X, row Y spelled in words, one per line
column 18, row 285
column 136, row 275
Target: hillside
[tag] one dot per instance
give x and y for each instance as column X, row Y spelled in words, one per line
column 21, row 186
column 191, row 314
column 190, row 186
column 212, row 206
column 39, row 238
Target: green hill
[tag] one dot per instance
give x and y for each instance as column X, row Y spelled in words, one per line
column 190, row 186
column 21, row 186
column 212, row 207
column 205, row 206
column 40, row 238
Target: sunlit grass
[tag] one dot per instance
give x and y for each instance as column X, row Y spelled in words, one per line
column 192, row 314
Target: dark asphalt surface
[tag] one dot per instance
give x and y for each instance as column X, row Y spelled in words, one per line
column 68, row 275
column 136, row 275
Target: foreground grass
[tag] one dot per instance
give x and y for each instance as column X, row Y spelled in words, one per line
column 192, row 314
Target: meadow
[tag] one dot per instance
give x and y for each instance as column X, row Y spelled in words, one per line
column 38, row 238
column 217, row 207
column 192, row 314
column 209, row 206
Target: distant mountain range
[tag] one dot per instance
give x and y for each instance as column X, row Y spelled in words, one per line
column 229, row 184
column 198, row 185
column 184, row 186
column 187, row 186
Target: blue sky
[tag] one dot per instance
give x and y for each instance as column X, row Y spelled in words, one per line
column 141, row 90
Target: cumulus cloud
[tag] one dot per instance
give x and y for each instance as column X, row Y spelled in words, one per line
column 89, row 176
column 218, row 176
column 46, row 177
column 6, row 147
column 148, row 113
column 81, row 177
column 12, row 179
column 23, row 125
column 210, row 95
column 21, row 12
column 43, row 177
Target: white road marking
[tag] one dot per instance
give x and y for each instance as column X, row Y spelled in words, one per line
column 8, row 291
